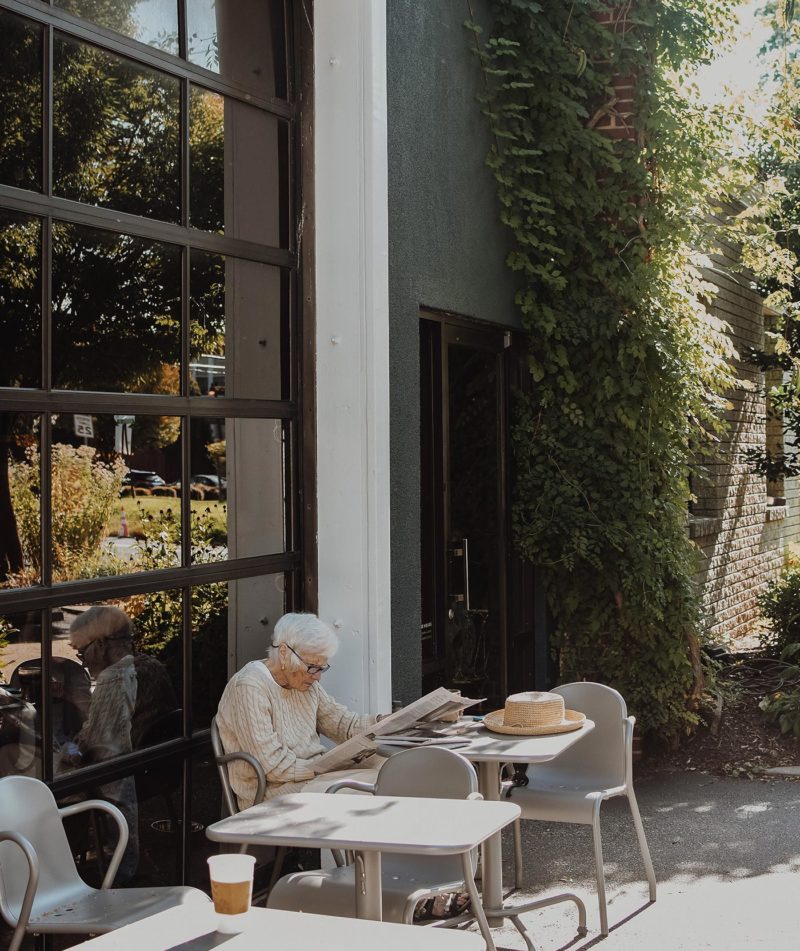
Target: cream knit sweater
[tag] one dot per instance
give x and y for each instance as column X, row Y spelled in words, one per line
column 280, row 728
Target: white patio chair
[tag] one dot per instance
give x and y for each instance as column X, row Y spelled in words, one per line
column 40, row 889
column 222, row 759
column 573, row 786
column 262, row 855
column 431, row 772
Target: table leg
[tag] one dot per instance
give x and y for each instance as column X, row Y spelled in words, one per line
column 492, row 849
column 369, row 897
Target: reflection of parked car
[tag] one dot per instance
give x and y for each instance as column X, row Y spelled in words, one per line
column 142, row 479
column 210, row 480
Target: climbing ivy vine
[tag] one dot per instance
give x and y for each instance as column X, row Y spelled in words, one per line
column 627, row 365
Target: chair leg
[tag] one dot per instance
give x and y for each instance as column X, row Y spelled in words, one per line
column 648, row 862
column 475, row 900
column 599, row 871
column 517, row 854
column 277, row 866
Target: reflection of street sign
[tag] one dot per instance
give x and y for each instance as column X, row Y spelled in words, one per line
column 123, row 434
column 83, row 426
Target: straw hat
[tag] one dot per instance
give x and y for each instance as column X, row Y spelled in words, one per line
column 534, row 713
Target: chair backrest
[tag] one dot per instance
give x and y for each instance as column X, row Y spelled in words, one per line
column 600, row 756
column 27, row 806
column 71, row 690
column 433, row 772
column 430, row 771
column 222, row 769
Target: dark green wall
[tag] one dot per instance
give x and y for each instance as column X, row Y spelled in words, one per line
column 446, row 251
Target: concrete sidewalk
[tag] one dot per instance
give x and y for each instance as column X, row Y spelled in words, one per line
column 727, row 859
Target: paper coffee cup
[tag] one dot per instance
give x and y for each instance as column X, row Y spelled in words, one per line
column 231, row 889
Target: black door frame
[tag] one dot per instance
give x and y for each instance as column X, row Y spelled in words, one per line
column 438, row 330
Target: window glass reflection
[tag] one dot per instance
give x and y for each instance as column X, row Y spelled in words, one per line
column 239, row 328
column 209, row 650
column 115, row 504
column 20, row 299
column 129, row 655
column 253, row 203
column 20, row 521
column 20, row 102
column 154, row 22
column 242, row 40
column 116, row 312
column 116, row 132
column 205, row 808
column 232, row 624
column 21, row 694
column 238, row 507
column 150, row 799
column 209, row 491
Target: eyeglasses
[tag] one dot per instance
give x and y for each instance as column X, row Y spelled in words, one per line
column 101, row 642
column 311, row 668
column 81, row 654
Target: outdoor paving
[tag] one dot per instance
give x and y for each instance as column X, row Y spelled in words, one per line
column 726, row 854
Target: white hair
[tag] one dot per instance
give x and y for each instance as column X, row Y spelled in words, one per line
column 307, row 633
column 99, row 621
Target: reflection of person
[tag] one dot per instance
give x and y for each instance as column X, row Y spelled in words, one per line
column 129, row 694
column 276, row 708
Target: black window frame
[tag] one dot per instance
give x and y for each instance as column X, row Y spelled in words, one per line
column 300, row 513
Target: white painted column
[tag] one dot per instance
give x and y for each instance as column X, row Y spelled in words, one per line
column 351, row 229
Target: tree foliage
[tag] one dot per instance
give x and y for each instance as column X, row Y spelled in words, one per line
column 628, row 367
column 115, row 298
column 776, row 145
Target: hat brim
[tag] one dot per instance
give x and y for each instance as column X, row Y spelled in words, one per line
column 573, row 720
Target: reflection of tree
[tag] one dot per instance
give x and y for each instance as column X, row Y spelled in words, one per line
column 116, row 299
column 216, row 453
column 207, row 146
column 21, row 95
column 158, row 432
column 123, row 17
column 116, row 132
column 207, row 331
column 116, row 309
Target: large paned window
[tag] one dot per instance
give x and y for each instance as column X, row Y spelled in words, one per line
column 149, row 397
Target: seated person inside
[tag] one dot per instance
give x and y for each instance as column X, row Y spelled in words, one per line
column 276, row 708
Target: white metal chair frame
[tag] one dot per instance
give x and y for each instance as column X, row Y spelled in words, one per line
column 63, row 907
column 405, row 868
column 222, row 759
column 567, row 791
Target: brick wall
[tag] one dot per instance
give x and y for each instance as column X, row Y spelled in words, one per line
column 615, row 116
column 740, row 537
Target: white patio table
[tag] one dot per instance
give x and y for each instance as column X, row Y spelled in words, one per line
column 193, row 928
column 368, row 825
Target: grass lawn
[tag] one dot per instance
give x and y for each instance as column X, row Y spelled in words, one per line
column 152, row 505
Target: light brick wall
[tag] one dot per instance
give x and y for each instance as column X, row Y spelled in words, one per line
column 741, row 539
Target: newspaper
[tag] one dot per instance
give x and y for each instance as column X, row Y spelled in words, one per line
column 439, row 704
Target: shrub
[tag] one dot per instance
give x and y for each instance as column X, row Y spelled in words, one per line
column 780, row 606
column 157, row 614
column 85, row 490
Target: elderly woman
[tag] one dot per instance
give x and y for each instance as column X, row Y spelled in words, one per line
column 276, row 708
